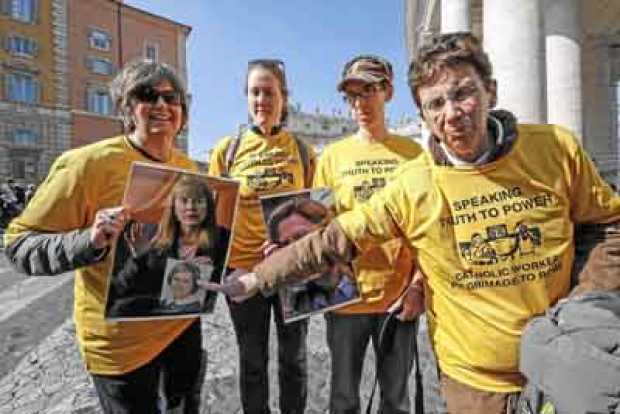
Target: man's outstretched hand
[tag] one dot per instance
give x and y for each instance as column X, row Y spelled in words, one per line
column 239, row 285
column 411, row 302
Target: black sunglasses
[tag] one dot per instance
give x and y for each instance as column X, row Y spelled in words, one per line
column 149, row 95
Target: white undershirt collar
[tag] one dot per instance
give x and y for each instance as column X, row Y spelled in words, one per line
column 484, row 158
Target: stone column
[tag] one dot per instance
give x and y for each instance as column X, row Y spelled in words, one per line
column 421, row 22
column 513, row 38
column 563, row 45
column 597, row 75
column 455, row 16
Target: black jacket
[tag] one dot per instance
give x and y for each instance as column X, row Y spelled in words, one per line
column 136, row 282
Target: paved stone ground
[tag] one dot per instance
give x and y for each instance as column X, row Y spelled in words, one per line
column 51, row 378
column 24, row 325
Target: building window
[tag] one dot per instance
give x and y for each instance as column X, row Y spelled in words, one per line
column 23, row 10
column 100, row 66
column 151, row 52
column 23, row 136
column 22, row 87
column 98, row 101
column 99, row 39
column 23, row 164
column 18, row 168
column 21, row 46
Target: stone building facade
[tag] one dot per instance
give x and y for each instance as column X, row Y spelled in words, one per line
column 319, row 129
column 556, row 61
column 315, row 128
column 35, row 121
column 103, row 42
column 56, row 60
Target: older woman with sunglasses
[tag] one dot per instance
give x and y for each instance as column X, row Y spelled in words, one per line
column 266, row 159
column 72, row 223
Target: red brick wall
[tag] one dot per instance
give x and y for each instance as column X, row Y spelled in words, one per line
column 90, row 128
column 136, row 29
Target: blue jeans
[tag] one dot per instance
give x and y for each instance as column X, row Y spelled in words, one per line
column 347, row 338
column 181, row 366
column 251, row 320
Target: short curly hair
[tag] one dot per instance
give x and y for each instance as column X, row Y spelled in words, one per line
column 138, row 74
column 447, row 50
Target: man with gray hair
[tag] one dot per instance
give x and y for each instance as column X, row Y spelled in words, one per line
column 485, row 183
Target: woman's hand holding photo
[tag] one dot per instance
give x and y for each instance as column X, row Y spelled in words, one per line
column 137, row 239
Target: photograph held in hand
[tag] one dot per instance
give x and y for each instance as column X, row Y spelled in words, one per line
column 175, row 241
column 289, row 217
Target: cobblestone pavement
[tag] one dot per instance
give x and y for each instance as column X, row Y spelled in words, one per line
column 50, row 378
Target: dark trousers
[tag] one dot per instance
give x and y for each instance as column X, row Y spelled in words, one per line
column 347, row 339
column 251, row 320
column 178, row 371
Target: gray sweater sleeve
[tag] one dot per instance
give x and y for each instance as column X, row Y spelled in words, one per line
column 36, row 253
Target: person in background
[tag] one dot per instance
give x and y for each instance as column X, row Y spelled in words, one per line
column 266, row 159
column 484, row 173
column 72, row 223
column 30, row 189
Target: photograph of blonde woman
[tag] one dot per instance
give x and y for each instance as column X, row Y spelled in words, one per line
column 187, row 236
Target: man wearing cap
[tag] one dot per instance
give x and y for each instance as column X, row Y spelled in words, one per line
column 354, row 168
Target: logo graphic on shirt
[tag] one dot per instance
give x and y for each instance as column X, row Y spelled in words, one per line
column 364, row 191
column 498, row 244
column 268, row 179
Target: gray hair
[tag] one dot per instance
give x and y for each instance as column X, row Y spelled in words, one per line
column 447, row 50
column 138, row 74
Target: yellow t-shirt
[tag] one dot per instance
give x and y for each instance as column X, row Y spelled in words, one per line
column 495, row 242
column 264, row 165
column 355, row 168
column 81, row 182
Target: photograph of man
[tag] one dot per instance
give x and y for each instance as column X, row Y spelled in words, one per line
column 182, row 291
column 289, row 221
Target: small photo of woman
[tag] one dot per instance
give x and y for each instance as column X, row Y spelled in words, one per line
column 181, row 291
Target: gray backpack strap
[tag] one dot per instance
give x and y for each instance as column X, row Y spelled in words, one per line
column 304, row 155
column 231, row 151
